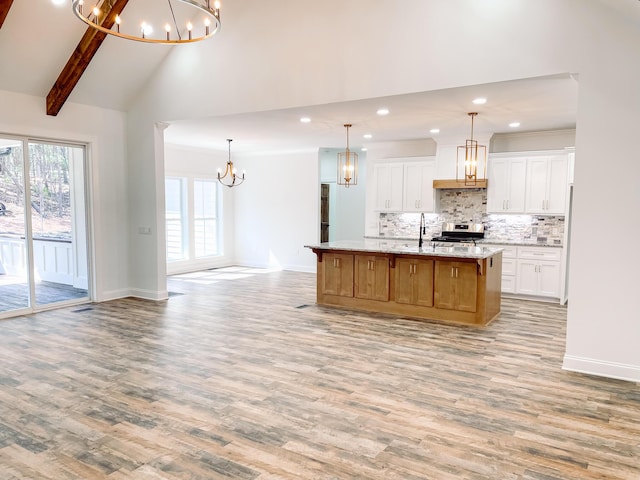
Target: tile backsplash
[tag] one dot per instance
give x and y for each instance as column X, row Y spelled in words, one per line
column 470, row 206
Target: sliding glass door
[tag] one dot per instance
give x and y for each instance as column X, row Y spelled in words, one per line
column 14, row 270
column 43, row 239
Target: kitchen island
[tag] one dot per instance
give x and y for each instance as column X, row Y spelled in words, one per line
column 451, row 284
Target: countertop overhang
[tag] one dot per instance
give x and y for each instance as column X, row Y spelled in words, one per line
column 406, row 248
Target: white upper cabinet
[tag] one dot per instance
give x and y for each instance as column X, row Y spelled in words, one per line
column 389, row 186
column 547, row 178
column 506, row 185
column 418, row 186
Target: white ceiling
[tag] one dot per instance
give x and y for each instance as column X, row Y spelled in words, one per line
column 35, row 43
column 547, row 103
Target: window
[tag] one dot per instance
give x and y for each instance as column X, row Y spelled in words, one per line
column 192, row 220
column 175, row 218
column 205, row 221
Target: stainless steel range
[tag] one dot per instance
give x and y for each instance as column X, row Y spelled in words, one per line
column 463, row 234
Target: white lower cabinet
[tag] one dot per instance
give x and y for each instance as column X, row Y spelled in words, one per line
column 539, row 271
column 534, row 271
column 509, row 269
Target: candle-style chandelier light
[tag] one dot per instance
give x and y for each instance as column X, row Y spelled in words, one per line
column 347, row 164
column 473, row 158
column 178, row 21
column 234, row 180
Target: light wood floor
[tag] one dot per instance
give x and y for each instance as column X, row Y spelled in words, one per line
column 239, row 375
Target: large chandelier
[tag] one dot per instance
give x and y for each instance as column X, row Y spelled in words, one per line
column 471, row 155
column 347, row 164
column 184, row 22
column 230, row 171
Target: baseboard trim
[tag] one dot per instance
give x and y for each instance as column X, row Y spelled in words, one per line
column 619, row 371
column 112, row 295
column 156, row 295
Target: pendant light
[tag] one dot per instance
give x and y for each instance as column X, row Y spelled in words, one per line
column 473, row 157
column 230, row 171
column 347, row 164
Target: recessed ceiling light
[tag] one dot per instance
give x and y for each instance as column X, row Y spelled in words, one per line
column 363, row 149
column 367, row 136
column 479, row 101
column 434, row 130
column 305, row 119
column 514, row 124
column 383, row 111
column 58, row 2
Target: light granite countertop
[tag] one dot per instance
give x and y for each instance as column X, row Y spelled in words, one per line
column 406, row 248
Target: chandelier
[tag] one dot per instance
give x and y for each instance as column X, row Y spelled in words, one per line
column 230, row 171
column 184, row 22
column 347, row 164
column 471, row 155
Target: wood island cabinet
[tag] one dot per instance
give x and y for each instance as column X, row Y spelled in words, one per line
column 456, row 285
column 337, row 274
column 456, row 289
column 414, row 281
column 372, row 277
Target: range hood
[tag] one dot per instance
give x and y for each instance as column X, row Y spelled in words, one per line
column 458, row 184
column 446, row 159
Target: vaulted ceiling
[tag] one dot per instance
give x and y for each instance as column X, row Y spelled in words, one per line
column 37, row 41
column 47, row 52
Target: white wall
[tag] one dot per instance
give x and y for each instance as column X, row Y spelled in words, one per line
column 296, row 61
column 195, row 163
column 347, row 212
column 530, row 141
column 104, row 132
column 276, row 211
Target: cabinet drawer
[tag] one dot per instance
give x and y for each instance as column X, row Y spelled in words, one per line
column 508, row 267
column 509, row 284
column 540, row 253
column 507, row 251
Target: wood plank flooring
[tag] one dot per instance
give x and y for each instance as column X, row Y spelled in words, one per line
column 239, row 375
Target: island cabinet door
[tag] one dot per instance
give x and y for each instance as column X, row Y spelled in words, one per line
column 337, row 274
column 414, row 281
column 456, row 285
column 372, row 277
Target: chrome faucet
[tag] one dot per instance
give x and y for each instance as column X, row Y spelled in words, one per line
column 423, row 229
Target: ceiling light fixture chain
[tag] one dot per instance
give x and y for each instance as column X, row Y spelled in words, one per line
column 103, row 17
column 230, row 171
column 347, row 164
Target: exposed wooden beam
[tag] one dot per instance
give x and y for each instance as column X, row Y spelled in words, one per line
column 80, row 58
column 5, row 5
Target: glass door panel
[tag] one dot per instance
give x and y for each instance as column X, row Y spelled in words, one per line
column 14, row 270
column 58, row 222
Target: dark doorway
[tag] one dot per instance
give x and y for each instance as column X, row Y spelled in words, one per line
column 324, row 212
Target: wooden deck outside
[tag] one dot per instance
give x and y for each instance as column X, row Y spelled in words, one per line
column 14, row 293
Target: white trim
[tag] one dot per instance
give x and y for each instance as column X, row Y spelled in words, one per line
column 591, row 366
column 528, row 153
column 108, row 295
column 185, row 266
column 149, row 294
